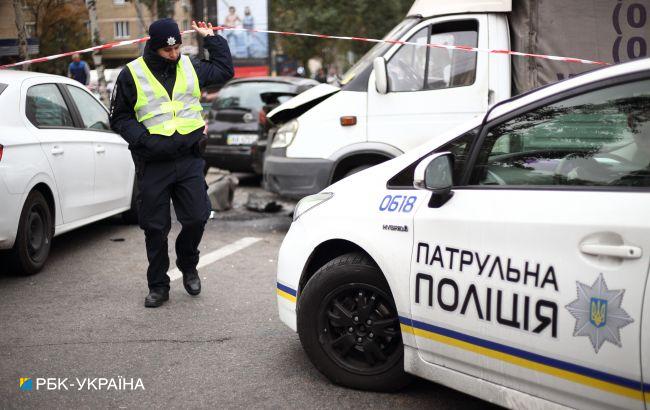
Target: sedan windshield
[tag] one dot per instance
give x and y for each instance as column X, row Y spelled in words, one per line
column 247, row 95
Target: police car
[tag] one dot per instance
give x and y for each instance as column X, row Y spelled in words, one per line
column 507, row 259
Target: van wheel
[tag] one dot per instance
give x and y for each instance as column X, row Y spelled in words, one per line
column 131, row 216
column 34, row 236
column 349, row 326
column 355, row 170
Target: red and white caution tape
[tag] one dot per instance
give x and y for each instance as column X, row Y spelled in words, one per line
column 290, row 33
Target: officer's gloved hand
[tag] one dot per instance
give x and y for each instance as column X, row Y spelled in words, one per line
column 199, row 147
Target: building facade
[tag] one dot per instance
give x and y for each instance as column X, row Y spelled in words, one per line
column 117, row 20
column 9, row 33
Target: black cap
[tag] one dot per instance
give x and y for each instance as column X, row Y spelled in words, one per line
column 164, row 33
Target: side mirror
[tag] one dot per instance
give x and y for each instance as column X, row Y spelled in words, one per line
column 435, row 174
column 381, row 75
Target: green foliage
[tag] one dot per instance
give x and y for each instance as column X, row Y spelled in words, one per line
column 60, row 27
column 359, row 18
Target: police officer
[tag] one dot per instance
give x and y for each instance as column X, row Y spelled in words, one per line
column 156, row 109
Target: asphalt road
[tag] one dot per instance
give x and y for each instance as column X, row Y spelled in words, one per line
column 83, row 317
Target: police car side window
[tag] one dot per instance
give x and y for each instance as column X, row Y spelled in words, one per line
column 460, row 147
column 600, row 138
column 45, row 107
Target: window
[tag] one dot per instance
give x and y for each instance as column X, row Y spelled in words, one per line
column 444, row 68
column 45, row 107
column 247, row 95
column 601, row 138
column 122, row 29
column 406, row 67
column 452, row 68
column 460, row 147
column 119, row 2
column 31, row 29
column 186, row 25
column 93, row 115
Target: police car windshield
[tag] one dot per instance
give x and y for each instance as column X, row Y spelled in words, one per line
column 247, row 95
column 379, row 49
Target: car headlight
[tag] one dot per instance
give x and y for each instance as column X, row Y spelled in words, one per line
column 310, row 202
column 285, row 134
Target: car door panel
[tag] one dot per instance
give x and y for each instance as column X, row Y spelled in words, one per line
column 67, row 150
column 406, row 118
column 502, row 287
column 114, row 171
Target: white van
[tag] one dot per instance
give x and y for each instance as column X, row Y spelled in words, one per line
column 420, row 92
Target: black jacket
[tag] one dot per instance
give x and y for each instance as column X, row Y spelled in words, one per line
column 147, row 147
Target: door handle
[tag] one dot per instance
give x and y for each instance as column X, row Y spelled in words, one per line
column 617, row 251
column 100, row 149
column 56, row 150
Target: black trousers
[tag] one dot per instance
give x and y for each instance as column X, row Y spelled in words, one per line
column 181, row 181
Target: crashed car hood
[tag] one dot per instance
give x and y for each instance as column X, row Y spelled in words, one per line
column 301, row 103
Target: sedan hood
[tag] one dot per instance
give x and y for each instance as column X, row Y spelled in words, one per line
column 301, row 103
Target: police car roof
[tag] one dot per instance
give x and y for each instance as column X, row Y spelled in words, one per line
column 17, row 75
column 541, row 93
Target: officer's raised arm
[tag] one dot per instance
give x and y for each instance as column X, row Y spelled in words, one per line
column 218, row 69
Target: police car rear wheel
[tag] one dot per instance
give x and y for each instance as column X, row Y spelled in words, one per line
column 349, row 327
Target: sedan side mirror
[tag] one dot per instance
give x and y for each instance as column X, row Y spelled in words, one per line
column 435, row 174
column 381, row 75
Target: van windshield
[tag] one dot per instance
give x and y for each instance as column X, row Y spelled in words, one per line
column 378, row 49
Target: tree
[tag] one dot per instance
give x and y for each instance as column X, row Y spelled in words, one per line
column 23, row 51
column 97, row 54
column 360, row 18
column 60, row 27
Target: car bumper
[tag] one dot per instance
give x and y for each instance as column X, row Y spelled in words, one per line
column 296, row 177
column 236, row 158
column 11, row 208
column 294, row 253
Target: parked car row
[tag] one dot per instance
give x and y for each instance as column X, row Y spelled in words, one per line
column 237, row 125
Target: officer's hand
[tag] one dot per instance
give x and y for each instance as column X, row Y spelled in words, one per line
column 203, row 29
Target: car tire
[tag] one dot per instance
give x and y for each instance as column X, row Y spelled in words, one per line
column 34, row 236
column 349, row 327
column 130, row 217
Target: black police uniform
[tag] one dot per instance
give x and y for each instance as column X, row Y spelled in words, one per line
column 169, row 167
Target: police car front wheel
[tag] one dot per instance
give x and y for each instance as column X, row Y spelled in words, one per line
column 349, row 326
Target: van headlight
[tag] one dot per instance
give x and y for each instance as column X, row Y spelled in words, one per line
column 285, row 134
column 310, row 202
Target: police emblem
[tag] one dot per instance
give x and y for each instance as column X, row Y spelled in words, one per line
column 171, row 41
column 598, row 313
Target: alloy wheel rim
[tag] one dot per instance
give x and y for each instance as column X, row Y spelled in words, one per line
column 359, row 329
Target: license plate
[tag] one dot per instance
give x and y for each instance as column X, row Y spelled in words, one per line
column 241, row 139
column 215, row 136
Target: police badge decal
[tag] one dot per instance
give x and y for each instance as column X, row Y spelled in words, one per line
column 598, row 313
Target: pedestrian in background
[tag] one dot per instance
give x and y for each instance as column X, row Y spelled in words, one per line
column 79, row 70
column 156, row 109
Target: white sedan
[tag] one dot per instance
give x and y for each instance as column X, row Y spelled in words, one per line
column 61, row 167
column 507, row 259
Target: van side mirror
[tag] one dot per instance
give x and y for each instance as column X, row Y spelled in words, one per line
column 381, row 75
column 435, row 174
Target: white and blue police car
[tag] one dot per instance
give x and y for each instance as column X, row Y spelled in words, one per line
column 507, row 259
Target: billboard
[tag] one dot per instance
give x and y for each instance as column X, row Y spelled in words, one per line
column 250, row 51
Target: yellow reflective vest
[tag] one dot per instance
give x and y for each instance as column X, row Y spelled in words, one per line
column 160, row 114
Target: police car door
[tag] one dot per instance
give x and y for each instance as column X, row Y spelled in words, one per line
column 532, row 274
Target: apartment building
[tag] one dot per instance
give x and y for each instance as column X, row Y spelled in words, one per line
column 117, row 20
column 8, row 33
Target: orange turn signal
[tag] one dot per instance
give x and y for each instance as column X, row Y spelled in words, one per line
column 348, row 120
